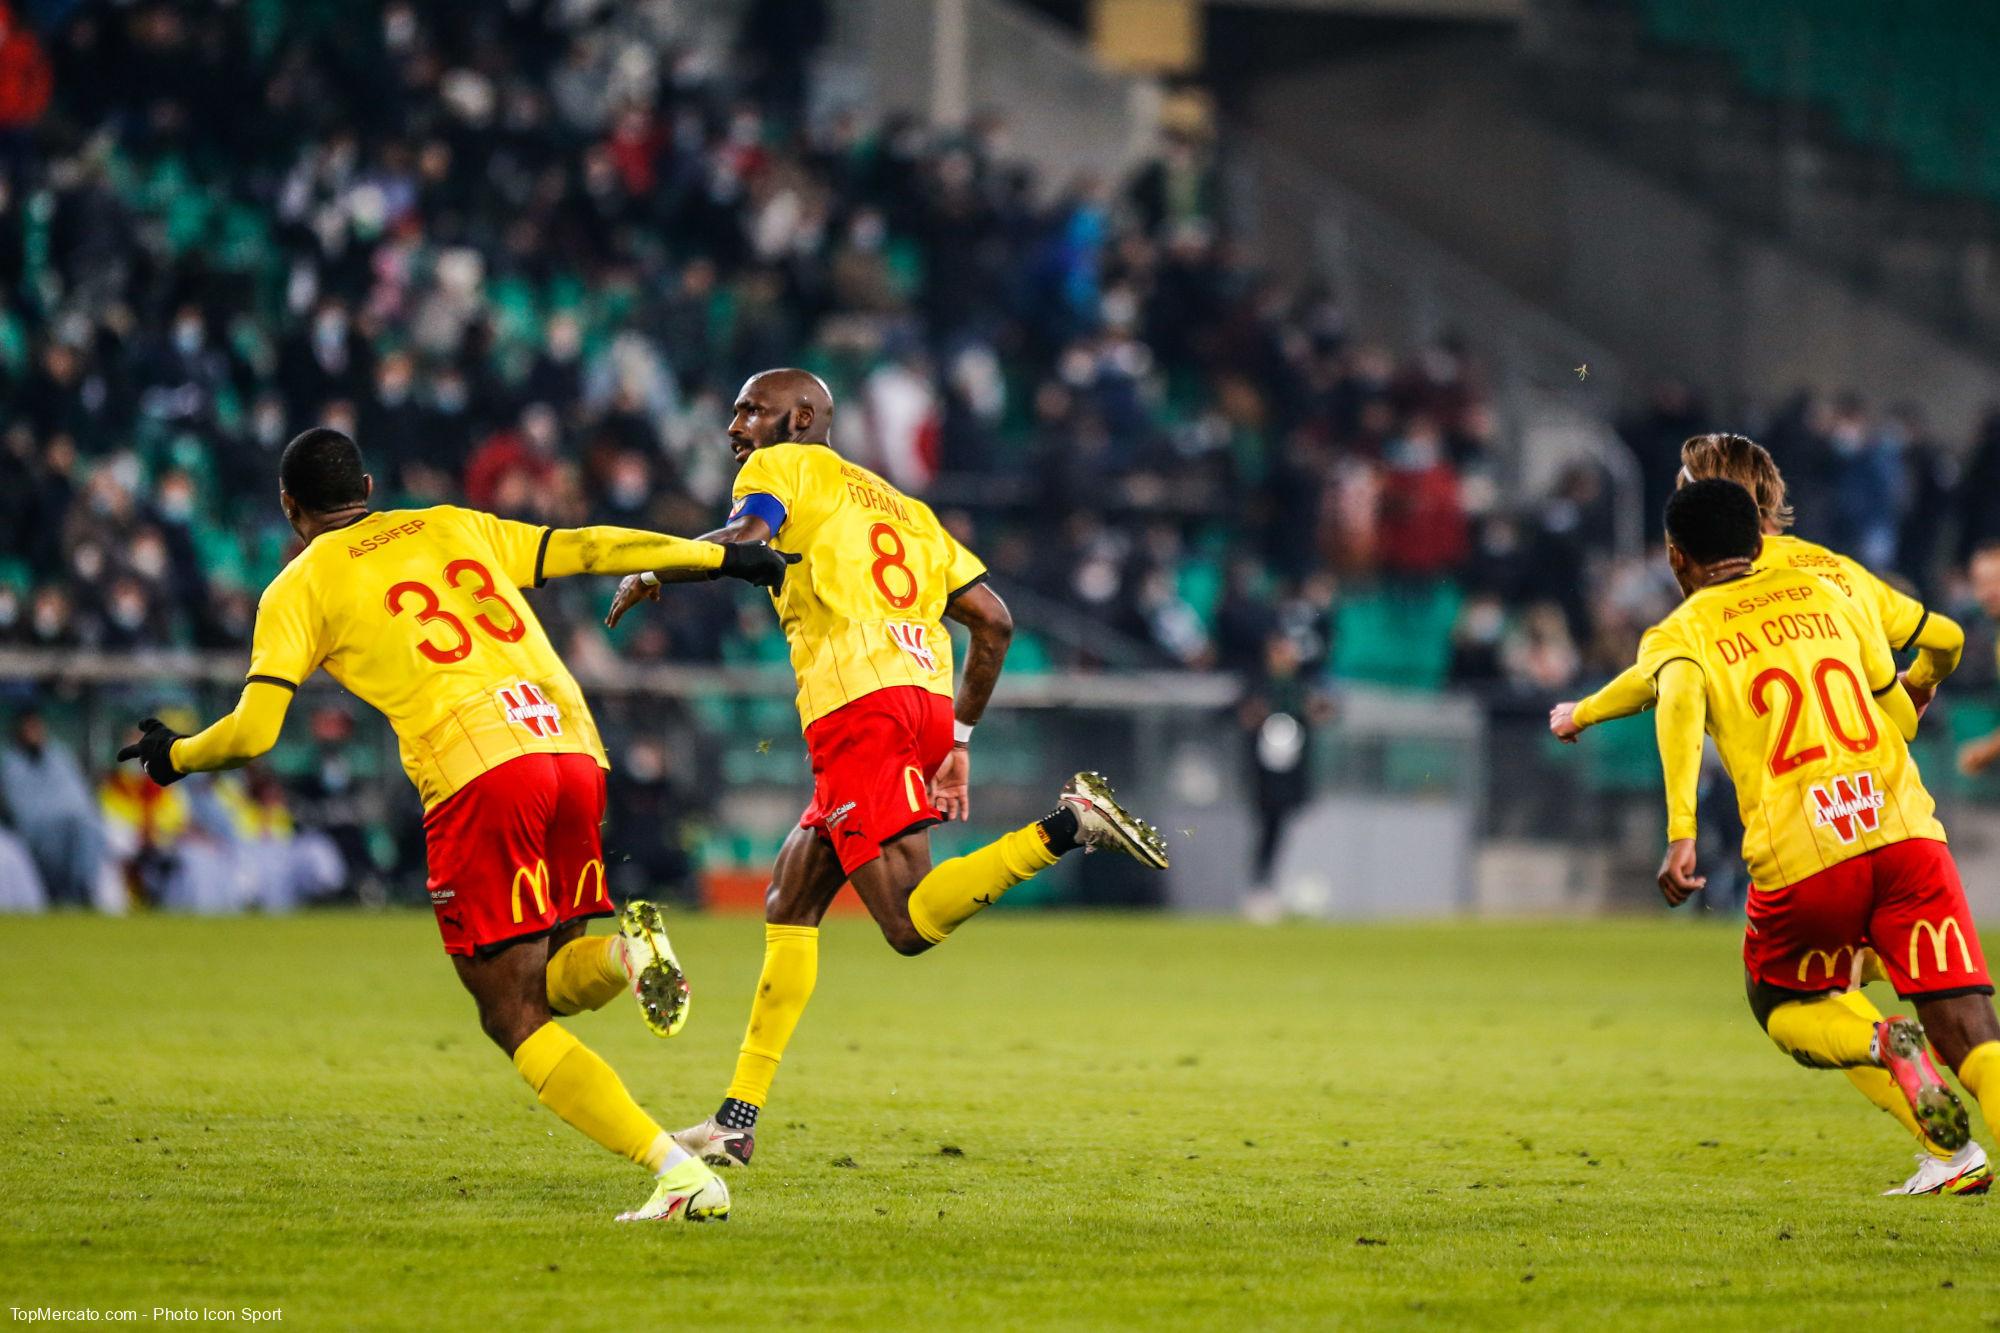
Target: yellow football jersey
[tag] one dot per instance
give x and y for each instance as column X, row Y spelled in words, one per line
column 863, row 610
column 1791, row 670
column 1901, row 616
column 419, row 613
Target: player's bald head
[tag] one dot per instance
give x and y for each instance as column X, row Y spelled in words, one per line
column 776, row 406
column 794, row 388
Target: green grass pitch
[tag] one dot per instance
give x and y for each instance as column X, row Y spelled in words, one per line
column 1050, row 1122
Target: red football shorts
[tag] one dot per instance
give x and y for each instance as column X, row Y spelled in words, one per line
column 516, row 852
column 872, row 761
column 1905, row 900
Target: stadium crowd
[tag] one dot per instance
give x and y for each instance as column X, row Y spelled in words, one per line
column 525, row 255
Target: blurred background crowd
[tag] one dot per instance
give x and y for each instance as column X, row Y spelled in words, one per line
column 525, row 253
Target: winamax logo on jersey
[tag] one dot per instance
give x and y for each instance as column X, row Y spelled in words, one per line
column 1849, row 805
column 912, row 639
column 525, row 705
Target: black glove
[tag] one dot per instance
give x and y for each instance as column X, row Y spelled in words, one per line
column 153, row 750
column 755, row 562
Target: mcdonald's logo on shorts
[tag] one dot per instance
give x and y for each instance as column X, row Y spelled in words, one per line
column 1836, row 969
column 1937, row 935
column 913, row 787
column 591, row 868
column 537, row 881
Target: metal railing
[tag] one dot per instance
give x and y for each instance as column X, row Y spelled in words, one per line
column 1410, row 804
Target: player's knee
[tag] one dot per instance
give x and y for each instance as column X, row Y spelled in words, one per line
column 904, row 938
column 1956, row 1025
column 511, row 1023
column 781, row 911
column 1763, row 999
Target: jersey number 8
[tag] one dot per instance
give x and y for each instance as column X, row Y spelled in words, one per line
column 457, row 575
column 887, row 543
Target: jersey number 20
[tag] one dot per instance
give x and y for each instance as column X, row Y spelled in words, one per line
column 1795, row 697
column 458, row 574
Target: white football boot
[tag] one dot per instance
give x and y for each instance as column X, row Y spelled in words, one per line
column 1964, row 1172
column 716, row 1145
column 689, row 1192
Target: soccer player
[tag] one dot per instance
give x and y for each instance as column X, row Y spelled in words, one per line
column 1976, row 756
column 1800, row 692
column 419, row 613
column 1906, row 624
column 889, row 746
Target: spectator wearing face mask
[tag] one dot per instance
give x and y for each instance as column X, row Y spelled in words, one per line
column 1422, row 530
column 166, row 552
column 180, row 381
column 391, row 422
column 446, row 403
column 1866, row 474
column 557, row 373
column 129, row 618
column 49, row 801
column 326, row 360
column 51, row 620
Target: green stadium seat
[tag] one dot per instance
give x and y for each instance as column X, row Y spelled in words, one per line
column 1397, row 635
column 1935, row 110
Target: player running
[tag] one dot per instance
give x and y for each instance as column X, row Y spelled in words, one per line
column 1906, row 624
column 1800, row 692
column 418, row 613
column 889, row 747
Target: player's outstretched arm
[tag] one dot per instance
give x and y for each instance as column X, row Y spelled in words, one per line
column 610, row 550
column 982, row 612
column 745, row 530
column 249, row 731
column 1678, row 730
column 1631, row 691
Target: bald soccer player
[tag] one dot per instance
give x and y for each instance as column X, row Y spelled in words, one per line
column 889, row 738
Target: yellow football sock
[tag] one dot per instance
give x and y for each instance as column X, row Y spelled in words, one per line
column 587, row 973
column 1979, row 1071
column 791, row 966
column 1876, row 1085
column 573, row 1082
column 1822, row 1033
column 952, row 892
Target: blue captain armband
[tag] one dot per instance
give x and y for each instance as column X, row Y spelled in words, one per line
column 764, row 506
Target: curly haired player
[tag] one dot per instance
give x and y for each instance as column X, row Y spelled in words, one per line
column 1906, row 624
column 1799, row 690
